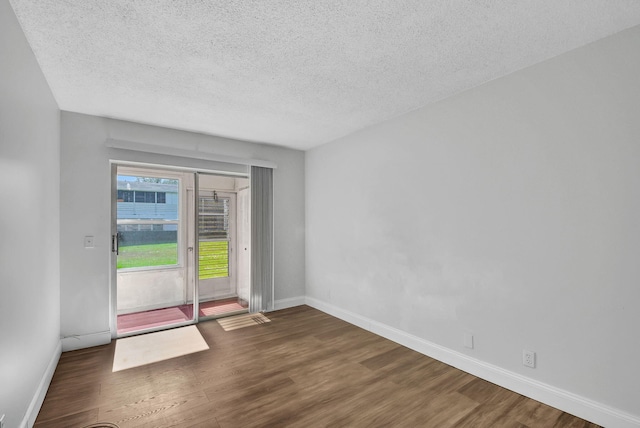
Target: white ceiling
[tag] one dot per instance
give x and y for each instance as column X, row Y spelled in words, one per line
column 296, row 73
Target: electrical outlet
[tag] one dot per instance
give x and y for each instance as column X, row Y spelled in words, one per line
column 529, row 359
column 88, row 242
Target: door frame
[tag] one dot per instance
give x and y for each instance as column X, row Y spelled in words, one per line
column 113, row 288
column 186, row 179
column 231, row 278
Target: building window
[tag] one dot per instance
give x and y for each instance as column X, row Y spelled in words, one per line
column 161, row 198
column 125, row 195
column 145, row 197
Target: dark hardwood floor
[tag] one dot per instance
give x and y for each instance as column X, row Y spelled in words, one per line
column 303, row 369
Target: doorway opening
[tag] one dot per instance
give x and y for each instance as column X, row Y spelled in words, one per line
column 223, row 236
column 162, row 278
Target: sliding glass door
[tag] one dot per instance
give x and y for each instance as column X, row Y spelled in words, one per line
column 181, row 243
column 150, row 246
column 216, row 237
column 217, row 218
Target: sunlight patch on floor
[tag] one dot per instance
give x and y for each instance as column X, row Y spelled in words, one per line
column 153, row 347
column 242, row 321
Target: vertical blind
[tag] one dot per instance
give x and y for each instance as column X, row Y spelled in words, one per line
column 261, row 239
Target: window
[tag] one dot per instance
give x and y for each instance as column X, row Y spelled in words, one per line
column 142, row 197
column 213, row 228
column 145, row 197
column 148, row 226
column 214, row 218
column 125, row 196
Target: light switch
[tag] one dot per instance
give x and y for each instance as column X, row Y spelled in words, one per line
column 88, row 242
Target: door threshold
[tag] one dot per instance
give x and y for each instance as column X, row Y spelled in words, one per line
column 218, row 308
column 153, row 320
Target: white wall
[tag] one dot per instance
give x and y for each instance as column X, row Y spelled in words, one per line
column 510, row 211
column 85, row 210
column 243, row 243
column 144, row 290
column 29, row 225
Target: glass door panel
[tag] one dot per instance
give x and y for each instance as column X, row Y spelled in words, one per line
column 214, row 234
column 152, row 290
column 217, row 278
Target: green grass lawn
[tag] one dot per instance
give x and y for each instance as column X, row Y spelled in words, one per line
column 214, row 257
column 147, row 255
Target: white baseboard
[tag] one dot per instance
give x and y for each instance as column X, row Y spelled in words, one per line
column 566, row 401
column 288, row 303
column 38, row 398
column 72, row 343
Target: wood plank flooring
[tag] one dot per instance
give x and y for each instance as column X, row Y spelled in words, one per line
column 303, row 369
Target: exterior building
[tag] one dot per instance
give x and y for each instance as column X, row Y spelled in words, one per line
column 142, row 200
column 147, row 212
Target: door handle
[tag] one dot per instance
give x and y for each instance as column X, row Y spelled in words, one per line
column 115, row 243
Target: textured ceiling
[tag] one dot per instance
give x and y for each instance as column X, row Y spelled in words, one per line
column 296, row 73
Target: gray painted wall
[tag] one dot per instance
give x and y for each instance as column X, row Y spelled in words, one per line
column 29, row 223
column 85, row 209
column 510, row 211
